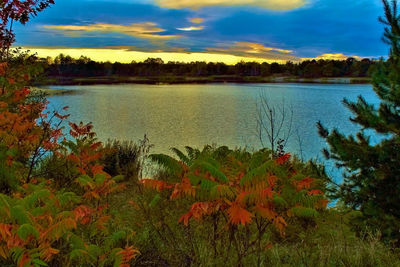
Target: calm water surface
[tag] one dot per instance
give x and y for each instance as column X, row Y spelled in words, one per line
column 195, row 115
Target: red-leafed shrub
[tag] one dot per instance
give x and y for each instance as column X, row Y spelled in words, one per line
column 247, row 197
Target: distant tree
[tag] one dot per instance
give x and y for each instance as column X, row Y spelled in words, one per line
column 154, row 61
column 312, row 70
column 372, row 170
column 329, row 70
column 275, row 68
column 83, row 60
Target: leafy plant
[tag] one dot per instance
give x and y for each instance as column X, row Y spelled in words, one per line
column 243, row 195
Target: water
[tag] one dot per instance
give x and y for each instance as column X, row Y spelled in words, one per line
column 224, row 114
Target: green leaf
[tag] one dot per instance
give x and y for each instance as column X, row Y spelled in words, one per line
column 99, row 178
column 255, row 175
column 19, row 214
column 279, row 201
column 118, row 178
column 25, row 230
column 84, row 180
column 38, row 262
column 78, row 254
column 182, row 157
column 155, row 200
column 67, row 198
column 304, row 212
column 76, row 242
column 94, row 251
column 206, row 166
column 207, row 184
column 170, row 164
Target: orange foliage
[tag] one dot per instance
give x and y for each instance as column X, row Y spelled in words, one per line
column 283, row 159
column 127, row 254
column 239, row 215
column 304, row 184
column 242, row 196
column 155, row 184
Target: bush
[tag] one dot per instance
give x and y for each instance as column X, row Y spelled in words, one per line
column 122, row 158
column 228, row 204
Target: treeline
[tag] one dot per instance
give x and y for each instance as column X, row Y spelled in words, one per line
column 67, row 66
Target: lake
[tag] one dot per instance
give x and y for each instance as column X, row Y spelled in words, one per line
column 223, row 114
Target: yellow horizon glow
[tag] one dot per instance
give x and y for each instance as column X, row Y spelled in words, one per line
column 127, row 56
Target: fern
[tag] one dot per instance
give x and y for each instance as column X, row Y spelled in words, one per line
column 20, row 215
column 78, row 254
column 25, row 230
column 170, row 164
column 207, row 184
column 304, row 212
column 279, row 201
column 257, row 174
column 67, row 197
column 182, row 157
column 192, row 152
column 76, row 242
column 207, row 167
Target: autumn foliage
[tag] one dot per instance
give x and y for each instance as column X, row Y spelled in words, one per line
column 42, row 223
column 240, row 192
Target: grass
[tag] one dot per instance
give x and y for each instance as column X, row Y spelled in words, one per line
column 332, row 243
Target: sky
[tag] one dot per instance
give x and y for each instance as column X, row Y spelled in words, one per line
column 207, row 30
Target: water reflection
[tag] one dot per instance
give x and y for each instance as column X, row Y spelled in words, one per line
column 195, row 115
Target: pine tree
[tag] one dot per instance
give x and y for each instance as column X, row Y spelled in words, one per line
column 372, row 170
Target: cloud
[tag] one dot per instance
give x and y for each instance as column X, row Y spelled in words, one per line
column 268, row 4
column 146, row 30
column 196, row 20
column 337, row 56
column 247, row 49
column 191, row 28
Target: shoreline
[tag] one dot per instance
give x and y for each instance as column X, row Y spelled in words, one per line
column 197, row 80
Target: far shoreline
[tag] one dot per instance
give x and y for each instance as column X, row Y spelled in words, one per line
column 154, row 80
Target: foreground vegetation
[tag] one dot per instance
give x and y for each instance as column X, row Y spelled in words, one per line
column 69, row 200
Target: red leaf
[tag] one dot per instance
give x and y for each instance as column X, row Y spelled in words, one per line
column 315, row 192
column 283, row 159
column 239, row 215
column 304, row 184
column 185, row 218
column 155, row 184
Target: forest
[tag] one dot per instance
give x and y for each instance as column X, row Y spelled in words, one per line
column 64, row 65
column 68, row 199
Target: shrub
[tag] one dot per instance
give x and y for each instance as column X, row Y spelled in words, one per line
column 123, row 158
column 236, row 201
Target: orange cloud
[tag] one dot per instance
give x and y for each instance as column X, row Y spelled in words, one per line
column 196, row 20
column 247, row 49
column 191, row 28
column 268, row 4
column 146, row 30
column 337, row 56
